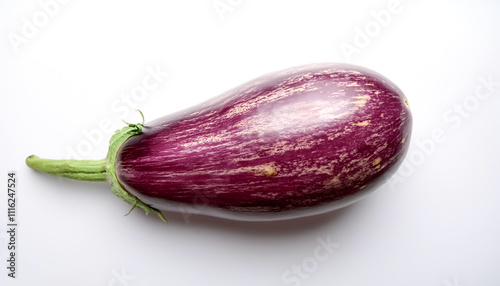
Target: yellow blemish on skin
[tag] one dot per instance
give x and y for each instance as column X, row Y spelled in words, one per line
column 268, row 170
column 407, row 103
column 362, row 100
column 362, row 123
column 370, row 84
column 381, row 115
column 403, row 141
column 377, row 161
column 271, row 173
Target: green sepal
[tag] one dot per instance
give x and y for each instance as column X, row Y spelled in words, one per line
column 115, row 143
column 97, row 170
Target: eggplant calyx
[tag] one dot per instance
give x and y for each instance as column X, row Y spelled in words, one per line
column 115, row 143
column 97, row 170
column 137, row 126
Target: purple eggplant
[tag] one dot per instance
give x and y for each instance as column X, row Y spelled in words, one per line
column 293, row 143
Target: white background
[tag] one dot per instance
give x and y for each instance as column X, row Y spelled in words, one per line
column 67, row 72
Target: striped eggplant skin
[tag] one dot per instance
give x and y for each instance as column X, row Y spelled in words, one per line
column 293, row 143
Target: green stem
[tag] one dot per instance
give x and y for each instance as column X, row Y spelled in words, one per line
column 97, row 170
column 82, row 170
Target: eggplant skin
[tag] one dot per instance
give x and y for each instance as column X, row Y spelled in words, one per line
column 293, row 143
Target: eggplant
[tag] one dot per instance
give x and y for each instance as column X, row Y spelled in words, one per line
column 293, row 143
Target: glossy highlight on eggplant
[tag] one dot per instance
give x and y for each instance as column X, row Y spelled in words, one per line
column 293, row 143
